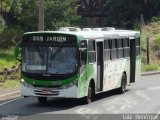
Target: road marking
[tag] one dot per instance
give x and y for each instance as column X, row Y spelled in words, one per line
column 9, row 93
column 10, row 101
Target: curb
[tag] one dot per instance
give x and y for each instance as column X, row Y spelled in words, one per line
column 10, row 95
column 150, row 73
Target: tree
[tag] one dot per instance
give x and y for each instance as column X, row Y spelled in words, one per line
column 57, row 13
column 28, row 15
column 60, row 13
column 126, row 13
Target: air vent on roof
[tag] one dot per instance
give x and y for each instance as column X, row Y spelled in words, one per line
column 86, row 29
column 107, row 28
column 96, row 29
column 69, row 29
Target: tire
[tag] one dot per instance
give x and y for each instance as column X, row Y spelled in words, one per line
column 122, row 89
column 42, row 99
column 88, row 99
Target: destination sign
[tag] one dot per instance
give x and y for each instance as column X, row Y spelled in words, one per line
column 54, row 39
column 49, row 39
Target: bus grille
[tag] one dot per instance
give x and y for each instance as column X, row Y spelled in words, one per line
column 49, row 93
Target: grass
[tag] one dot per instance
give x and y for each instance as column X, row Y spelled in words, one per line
column 12, row 81
column 151, row 67
column 9, row 84
column 7, row 59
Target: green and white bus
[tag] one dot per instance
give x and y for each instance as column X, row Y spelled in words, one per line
column 75, row 63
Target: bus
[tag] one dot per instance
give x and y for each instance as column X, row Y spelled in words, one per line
column 78, row 63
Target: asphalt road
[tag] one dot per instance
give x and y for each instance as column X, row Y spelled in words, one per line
column 142, row 97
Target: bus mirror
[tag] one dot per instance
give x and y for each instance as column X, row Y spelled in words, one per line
column 18, row 50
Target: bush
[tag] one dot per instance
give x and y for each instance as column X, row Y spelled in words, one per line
column 9, row 36
column 155, row 18
column 157, row 42
column 143, row 42
column 151, row 67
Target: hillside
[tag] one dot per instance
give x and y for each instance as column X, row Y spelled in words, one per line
column 152, row 31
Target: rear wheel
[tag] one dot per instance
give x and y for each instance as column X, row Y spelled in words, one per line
column 42, row 99
column 122, row 89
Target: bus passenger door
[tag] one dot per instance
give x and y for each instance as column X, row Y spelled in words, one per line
column 83, row 71
column 100, row 66
column 132, row 60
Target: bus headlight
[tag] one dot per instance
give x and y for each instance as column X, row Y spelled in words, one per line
column 26, row 84
column 69, row 85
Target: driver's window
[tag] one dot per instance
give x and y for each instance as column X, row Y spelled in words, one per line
column 83, row 58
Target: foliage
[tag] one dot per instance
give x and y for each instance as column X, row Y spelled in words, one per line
column 9, row 36
column 6, row 5
column 2, row 23
column 155, row 19
column 28, row 16
column 143, row 42
column 60, row 13
column 121, row 13
column 151, row 67
column 57, row 13
column 157, row 42
column 126, row 13
column 10, row 84
column 7, row 58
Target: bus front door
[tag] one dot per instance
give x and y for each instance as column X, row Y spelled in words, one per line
column 100, row 65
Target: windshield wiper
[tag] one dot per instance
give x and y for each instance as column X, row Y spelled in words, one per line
column 56, row 53
column 39, row 52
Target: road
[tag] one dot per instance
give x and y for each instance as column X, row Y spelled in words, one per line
column 142, row 97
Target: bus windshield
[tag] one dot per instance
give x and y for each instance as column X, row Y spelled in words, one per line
column 49, row 60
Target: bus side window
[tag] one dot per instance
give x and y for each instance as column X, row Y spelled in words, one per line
column 126, row 47
column 91, row 51
column 120, row 48
column 114, row 53
column 107, row 50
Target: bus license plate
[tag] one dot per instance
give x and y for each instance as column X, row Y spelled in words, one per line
column 46, row 91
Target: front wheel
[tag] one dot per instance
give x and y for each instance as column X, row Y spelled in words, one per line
column 122, row 89
column 42, row 99
column 88, row 99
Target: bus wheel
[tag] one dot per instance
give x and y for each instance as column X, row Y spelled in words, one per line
column 42, row 99
column 122, row 89
column 88, row 99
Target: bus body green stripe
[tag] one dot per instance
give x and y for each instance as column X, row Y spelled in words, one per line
column 49, row 82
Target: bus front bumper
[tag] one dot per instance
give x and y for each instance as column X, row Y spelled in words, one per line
column 49, row 92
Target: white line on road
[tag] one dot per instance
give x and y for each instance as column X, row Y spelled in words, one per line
column 9, row 93
column 10, row 101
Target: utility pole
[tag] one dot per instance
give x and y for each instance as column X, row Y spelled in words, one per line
column 142, row 22
column 41, row 15
column 148, row 60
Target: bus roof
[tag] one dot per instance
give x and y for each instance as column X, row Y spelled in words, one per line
column 93, row 34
